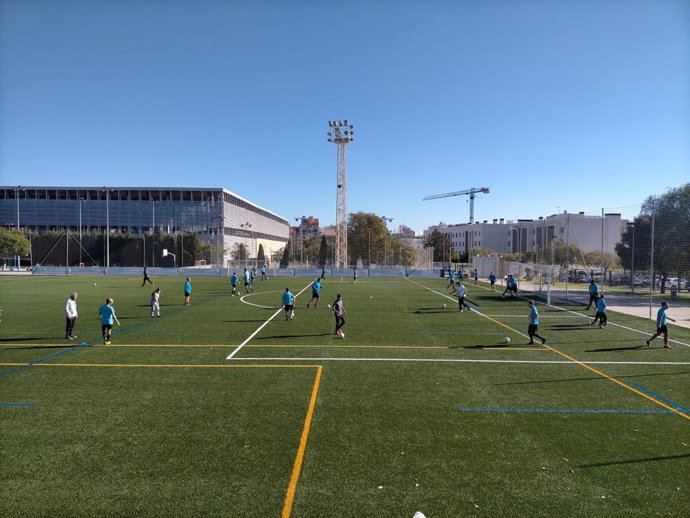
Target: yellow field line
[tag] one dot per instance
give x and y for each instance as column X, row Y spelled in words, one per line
column 297, row 467
column 163, row 366
column 600, row 373
column 277, row 346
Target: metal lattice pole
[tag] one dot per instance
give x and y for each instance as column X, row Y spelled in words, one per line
column 341, row 133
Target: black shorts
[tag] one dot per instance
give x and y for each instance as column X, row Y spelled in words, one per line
column 532, row 328
column 315, row 295
column 662, row 329
column 600, row 314
column 288, row 307
column 187, row 293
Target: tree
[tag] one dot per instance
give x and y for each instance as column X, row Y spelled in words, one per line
column 442, row 245
column 13, row 243
column 239, row 252
column 668, row 218
column 285, row 260
column 260, row 256
column 366, row 237
column 323, row 252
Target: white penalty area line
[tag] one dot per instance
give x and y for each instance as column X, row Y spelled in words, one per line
column 454, row 360
column 239, row 347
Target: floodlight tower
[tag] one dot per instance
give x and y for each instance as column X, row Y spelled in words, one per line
column 341, row 133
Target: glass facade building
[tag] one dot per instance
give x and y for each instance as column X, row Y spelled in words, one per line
column 220, row 217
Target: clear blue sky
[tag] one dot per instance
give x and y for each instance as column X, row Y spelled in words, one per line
column 554, row 105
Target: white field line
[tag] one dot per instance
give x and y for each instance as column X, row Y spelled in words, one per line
column 239, row 347
column 454, row 360
column 259, row 305
column 588, row 317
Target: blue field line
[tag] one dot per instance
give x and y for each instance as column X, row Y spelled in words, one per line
column 539, row 410
column 17, row 405
column 42, row 360
column 97, row 340
column 670, row 402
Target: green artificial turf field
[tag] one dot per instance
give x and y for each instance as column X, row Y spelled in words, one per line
column 419, row 408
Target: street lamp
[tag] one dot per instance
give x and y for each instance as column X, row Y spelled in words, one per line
column 107, row 227
column 16, row 197
column 385, row 239
column 301, row 240
column 81, row 199
column 251, row 235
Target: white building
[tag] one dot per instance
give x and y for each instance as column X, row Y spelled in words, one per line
column 589, row 233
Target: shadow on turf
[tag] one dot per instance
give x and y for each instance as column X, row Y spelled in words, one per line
column 596, row 378
column 293, row 336
column 634, row 461
column 610, row 349
column 478, row 346
column 26, row 339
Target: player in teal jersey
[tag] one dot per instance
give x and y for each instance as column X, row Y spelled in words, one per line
column 107, row 314
column 533, row 324
column 661, row 328
column 289, row 304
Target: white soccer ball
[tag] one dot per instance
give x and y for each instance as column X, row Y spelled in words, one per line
column 342, row 335
column 329, row 306
column 444, row 305
column 94, row 283
column 506, row 340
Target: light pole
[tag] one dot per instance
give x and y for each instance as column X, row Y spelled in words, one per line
column 385, row 239
column 81, row 199
column 16, row 197
column 251, row 235
column 341, row 133
column 301, row 240
column 107, row 227
column 632, row 258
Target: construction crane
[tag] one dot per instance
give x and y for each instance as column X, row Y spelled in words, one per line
column 471, row 192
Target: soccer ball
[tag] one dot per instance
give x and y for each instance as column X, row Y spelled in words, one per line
column 94, row 283
column 329, row 306
column 444, row 305
column 342, row 335
column 506, row 340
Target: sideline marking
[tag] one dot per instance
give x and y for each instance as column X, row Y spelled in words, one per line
column 297, row 467
column 239, row 347
column 166, row 366
column 539, row 410
column 659, row 396
column 585, row 365
column 452, row 360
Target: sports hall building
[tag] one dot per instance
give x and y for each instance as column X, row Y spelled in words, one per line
column 220, row 217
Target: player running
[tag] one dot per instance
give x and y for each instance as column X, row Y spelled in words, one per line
column 289, row 304
column 315, row 292
column 451, row 278
column 233, row 282
column 462, row 291
column 661, row 328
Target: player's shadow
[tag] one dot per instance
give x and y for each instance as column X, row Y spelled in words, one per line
column 429, row 311
column 634, row 461
column 306, row 335
column 593, row 378
column 611, row 349
column 246, row 321
column 568, row 327
column 479, row 346
column 25, row 339
column 35, row 347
